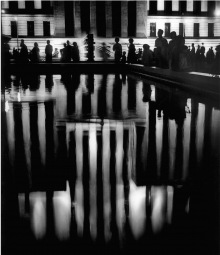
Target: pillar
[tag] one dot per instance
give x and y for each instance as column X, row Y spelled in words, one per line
column 175, row 5
column 141, row 24
column 204, row 6
column 93, row 29
column 77, row 19
column 21, row 4
column 108, row 12
column 59, row 18
column 189, row 6
column 124, row 19
column 37, row 4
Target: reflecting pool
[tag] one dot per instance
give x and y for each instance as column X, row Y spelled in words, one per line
column 108, row 163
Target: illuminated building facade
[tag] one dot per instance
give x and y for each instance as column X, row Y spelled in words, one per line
column 198, row 21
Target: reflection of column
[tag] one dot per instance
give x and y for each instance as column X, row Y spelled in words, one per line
column 11, row 134
column 41, row 129
column 117, row 94
column 93, row 181
column 108, row 10
column 165, row 150
column 151, row 172
column 125, row 171
column 86, row 180
column 77, row 20
column 100, row 189
column 192, row 146
column 102, row 98
column 93, row 28
column 113, row 225
column 172, row 147
column 159, row 138
column 49, row 128
column 124, row 19
column 131, row 93
column 200, row 132
column 106, row 179
column 35, row 147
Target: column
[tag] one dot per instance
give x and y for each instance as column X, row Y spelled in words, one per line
column 21, row 4
column 5, row 4
column 175, row 5
column 124, row 21
column 160, row 5
column 108, row 15
column 77, row 20
column 37, row 4
column 204, row 6
column 141, row 24
column 189, row 6
column 93, row 29
column 59, row 18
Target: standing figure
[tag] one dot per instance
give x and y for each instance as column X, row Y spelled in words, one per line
column 35, row 56
column 48, row 52
column 171, row 46
column 118, row 50
column 147, row 55
column 131, row 52
column 123, row 58
column 75, row 52
column 63, row 53
column 68, row 51
column 161, row 45
column 23, row 52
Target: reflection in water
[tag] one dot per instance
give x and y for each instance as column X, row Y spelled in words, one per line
column 112, row 162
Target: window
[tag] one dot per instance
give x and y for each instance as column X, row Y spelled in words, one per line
column 167, row 29
column 116, row 18
column 45, row 5
column 181, row 29
column 13, row 6
column 210, row 29
column 153, row 7
column 30, row 28
column 182, row 7
column 168, row 7
column 131, row 18
column 29, row 5
column 14, row 32
column 196, row 7
column 196, row 29
column 100, row 18
column 153, row 29
column 46, row 27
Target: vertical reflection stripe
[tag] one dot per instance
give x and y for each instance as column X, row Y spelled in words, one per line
column 172, row 148
column 26, row 135
column 200, row 131
column 186, row 145
column 159, row 138
column 11, row 133
column 93, row 176
column 42, row 132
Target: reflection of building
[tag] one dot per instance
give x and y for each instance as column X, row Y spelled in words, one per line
column 38, row 20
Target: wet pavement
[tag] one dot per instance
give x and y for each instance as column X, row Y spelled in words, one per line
column 108, row 163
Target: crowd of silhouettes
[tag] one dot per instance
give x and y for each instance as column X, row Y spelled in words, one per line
column 174, row 55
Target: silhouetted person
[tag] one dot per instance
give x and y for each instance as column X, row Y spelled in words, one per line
column 193, row 55
column 63, row 53
column 131, row 52
column 5, row 53
column 75, row 52
column 56, row 53
column 197, row 58
column 139, row 55
column 117, row 49
column 15, row 54
column 48, row 52
column 171, row 45
column 123, row 58
column 147, row 55
column 210, row 56
column 23, row 52
column 162, row 50
column 216, row 64
column 68, row 51
column 35, row 55
column 179, row 60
